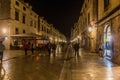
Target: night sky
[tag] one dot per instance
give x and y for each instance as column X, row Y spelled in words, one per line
column 61, row 13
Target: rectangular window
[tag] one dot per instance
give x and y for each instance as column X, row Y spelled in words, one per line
column 42, row 28
column 35, row 24
column 31, row 23
column 23, row 19
column 16, row 15
column 47, row 30
column 24, row 31
column 106, row 4
column 16, row 31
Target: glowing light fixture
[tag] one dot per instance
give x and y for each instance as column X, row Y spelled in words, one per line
column 90, row 29
column 4, row 30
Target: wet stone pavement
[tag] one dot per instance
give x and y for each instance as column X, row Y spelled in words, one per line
column 94, row 69
column 36, row 67
column 89, row 66
column 63, row 66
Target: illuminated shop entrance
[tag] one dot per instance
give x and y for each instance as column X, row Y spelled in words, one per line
column 107, row 42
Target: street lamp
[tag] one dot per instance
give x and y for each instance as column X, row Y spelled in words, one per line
column 90, row 29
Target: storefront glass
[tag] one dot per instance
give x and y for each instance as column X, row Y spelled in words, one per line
column 107, row 42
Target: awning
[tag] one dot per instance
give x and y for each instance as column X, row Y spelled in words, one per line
column 31, row 35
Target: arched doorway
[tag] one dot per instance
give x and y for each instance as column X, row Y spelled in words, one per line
column 107, row 41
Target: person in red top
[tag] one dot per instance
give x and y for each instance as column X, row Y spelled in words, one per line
column 26, row 48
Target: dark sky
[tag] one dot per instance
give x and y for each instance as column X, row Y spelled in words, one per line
column 61, row 13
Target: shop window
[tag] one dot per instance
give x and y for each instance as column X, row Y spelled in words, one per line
column 107, row 41
column 16, row 42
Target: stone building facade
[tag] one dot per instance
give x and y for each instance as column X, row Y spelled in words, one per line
column 19, row 23
column 103, row 16
column 49, row 32
column 87, row 20
column 17, row 18
column 108, row 28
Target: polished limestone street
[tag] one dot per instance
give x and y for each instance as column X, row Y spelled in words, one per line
column 17, row 66
column 89, row 66
column 62, row 66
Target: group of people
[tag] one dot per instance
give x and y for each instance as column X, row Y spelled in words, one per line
column 27, row 46
column 76, row 47
column 51, row 47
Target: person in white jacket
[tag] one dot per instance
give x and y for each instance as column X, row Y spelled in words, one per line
column 2, row 47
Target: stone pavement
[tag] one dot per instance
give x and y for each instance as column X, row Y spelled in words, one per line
column 17, row 66
column 63, row 66
column 10, row 54
column 89, row 66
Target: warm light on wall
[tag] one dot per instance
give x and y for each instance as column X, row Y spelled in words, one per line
column 78, row 37
column 4, row 30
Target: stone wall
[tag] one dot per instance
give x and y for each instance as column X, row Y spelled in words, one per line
column 4, row 9
column 116, row 39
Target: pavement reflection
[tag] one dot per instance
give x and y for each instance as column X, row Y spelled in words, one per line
column 2, row 72
column 89, row 66
column 58, row 66
column 39, row 66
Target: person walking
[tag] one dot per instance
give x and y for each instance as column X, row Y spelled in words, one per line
column 54, row 48
column 32, row 48
column 76, row 49
column 101, row 51
column 26, row 46
column 49, row 47
column 2, row 47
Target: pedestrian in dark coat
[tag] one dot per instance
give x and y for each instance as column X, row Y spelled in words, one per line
column 32, row 48
column 54, row 48
column 49, row 47
column 101, row 51
column 2, row 47
column 76, row 49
